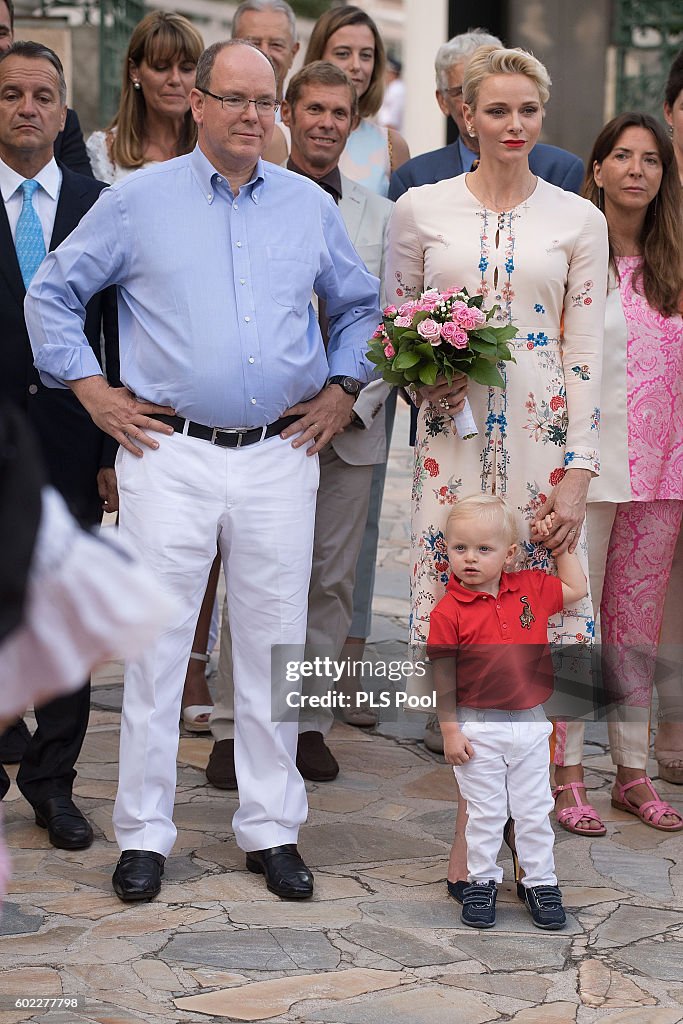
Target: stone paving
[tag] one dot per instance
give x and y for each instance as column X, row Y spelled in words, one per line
column 380, row 942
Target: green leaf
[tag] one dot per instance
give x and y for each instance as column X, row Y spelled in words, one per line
column 486, row 334
column 426, row 351
column 477, row 301
column 391, row 377
column 375, row 357
column 428, row 374
column 404, row 360
column 506, row 333
column 412, row 374
column 485, row 372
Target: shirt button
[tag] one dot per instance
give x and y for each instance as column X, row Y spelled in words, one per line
column 210, row 197
column 505, row 625
column 498, row 607
column 218, row 177
column 238, row 244
column 234, row 206
column 242, row 281
column 247, row 319
column 33, row 389
column 251, row 359
column 253, row 401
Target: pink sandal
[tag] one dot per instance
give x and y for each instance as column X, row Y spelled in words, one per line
column 568, row 817
column 652, row 811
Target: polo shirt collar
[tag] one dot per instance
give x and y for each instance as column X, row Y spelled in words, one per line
column 508, row 582
column 207, row 176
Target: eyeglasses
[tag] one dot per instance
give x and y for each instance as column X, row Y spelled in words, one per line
column 238, row 104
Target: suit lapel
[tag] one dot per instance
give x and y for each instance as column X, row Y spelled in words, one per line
column 351, row 208
column 9, row 265
column 68, row 210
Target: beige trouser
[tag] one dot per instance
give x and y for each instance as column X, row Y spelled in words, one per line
column 628, row 741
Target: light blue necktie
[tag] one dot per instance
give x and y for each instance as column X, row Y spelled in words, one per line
column 28, row 240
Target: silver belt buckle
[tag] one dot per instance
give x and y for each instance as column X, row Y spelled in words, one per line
column 240, row 431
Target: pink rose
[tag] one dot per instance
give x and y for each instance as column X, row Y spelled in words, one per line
column 390, row 311
column 403, row 321
column 468, row 317
column 429, row 330
column 389, row 351
column 454, row 335
column 380, row 332
column 407, row 309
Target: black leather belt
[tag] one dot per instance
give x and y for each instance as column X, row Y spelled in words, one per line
column 226, row 437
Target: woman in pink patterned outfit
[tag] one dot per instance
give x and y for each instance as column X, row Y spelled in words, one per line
column 634, row 513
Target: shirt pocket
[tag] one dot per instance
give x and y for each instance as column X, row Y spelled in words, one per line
column 291, row 275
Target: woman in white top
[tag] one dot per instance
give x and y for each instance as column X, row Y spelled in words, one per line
column 153, row 122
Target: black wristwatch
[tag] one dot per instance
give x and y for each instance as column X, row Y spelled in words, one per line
column 348, row 384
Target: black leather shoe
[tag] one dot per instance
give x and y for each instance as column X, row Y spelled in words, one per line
column 314, row 759
column 67, row 829
column 544, row 903
column 138, row 875
column 479, row 904
column 220, row 771
column 13, row 742
column 286, row 874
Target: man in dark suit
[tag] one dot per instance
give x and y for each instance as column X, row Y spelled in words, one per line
column 69, row 144
column 42, row 202
column 549, row 162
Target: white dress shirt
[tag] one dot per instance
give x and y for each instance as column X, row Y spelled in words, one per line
column 45, row 198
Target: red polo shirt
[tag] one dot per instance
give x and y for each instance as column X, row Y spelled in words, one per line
column 500, row 643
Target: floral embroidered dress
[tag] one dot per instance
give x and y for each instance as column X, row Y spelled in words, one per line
column 545, row 264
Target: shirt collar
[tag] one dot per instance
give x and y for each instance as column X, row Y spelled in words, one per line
column 49, row 178
column 207, row 177
column 330, row 182
column 467, row 157
column 509, row 581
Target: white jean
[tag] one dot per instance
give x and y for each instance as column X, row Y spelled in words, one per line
column 258, row 504
column 510, row 769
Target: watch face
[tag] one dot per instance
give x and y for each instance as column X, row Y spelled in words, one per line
column 348, row 384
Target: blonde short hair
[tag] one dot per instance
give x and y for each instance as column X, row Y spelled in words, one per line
column 491, row 510
column 496, row 60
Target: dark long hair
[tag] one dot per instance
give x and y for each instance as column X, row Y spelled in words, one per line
column 660, row 277
column 329, row 23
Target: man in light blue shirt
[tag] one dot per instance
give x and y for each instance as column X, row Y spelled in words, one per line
column 215, row 255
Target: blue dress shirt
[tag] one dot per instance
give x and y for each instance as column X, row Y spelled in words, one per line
column 467, row 157
column 214, row 292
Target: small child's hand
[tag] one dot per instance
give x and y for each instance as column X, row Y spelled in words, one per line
column 457, row 749
column 543, row 527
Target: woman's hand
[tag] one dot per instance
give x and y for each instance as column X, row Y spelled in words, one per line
column 448, row 397
column 567, row 503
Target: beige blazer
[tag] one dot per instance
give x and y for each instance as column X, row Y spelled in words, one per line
column 614, row 482
column 366, row 216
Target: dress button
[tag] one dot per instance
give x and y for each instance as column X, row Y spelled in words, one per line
column 33, row 389
column 251, row 359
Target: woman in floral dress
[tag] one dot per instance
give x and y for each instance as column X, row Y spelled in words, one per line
column 540, row 254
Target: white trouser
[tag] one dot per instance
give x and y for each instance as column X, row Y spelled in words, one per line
column 258, row 504
column 510, row 767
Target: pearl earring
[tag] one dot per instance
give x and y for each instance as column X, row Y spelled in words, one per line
column 137, row 86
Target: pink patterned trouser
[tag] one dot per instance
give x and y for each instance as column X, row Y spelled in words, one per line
column 639, row 558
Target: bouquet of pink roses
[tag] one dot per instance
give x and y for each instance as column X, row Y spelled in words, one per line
column 438, row 335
